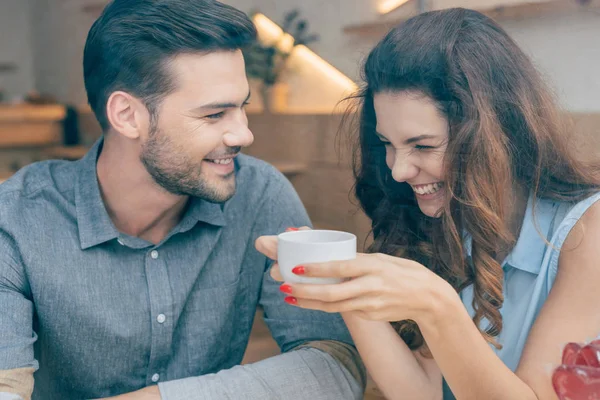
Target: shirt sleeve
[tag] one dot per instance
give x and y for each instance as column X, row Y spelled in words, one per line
column 16, row 316
column 289, row 325
column 305, row 373
column 10, row 396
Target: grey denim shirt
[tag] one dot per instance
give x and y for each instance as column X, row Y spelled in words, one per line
column 100, row 313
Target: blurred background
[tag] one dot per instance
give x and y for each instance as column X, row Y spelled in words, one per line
column 307, row 60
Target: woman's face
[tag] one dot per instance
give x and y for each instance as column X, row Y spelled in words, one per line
column 415, row 134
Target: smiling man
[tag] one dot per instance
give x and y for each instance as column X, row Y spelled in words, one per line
column 132, row 272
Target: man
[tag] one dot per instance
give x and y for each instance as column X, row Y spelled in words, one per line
column 133, row 271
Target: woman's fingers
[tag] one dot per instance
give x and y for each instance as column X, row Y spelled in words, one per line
column 267, row 245
column 366, row 306
column 276, row 273
column 361, row 265
column 334, row 292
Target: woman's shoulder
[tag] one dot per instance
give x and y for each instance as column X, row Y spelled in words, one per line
column 568, row 213
column 567, row 216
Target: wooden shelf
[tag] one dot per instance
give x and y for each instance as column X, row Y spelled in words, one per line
column 32, row 113
column 31, row 125
column 525, row 10
column 66, row 152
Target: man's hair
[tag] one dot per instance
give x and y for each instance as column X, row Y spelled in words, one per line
column 130, row 45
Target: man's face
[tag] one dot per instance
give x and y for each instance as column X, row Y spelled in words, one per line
column 200, row 127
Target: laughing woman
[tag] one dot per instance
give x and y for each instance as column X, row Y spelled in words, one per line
column 486, row 228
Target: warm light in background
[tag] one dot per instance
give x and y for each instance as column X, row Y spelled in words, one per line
column 387, row 6
column 270, row 31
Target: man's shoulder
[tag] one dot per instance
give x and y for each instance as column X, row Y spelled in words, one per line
column 43, row 176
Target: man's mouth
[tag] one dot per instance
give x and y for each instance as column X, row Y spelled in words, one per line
column 220, row 161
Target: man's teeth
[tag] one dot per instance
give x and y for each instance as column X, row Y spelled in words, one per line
column 428, row 189
column 224, row 161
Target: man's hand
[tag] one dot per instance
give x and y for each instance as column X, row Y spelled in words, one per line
column 148, row 393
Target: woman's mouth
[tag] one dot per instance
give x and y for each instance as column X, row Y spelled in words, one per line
column 428, row 189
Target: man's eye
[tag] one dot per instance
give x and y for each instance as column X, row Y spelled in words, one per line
column 215, row 116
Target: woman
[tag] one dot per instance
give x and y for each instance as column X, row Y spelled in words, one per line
column 486, row 229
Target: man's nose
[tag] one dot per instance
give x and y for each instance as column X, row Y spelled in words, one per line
column 241, row 136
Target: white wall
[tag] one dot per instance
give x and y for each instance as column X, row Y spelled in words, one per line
column 16, row 47
column 60, row 29
column 565, row 47
column 326, row 18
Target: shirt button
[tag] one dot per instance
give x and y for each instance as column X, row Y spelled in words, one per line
column 155, row 377
column 120, row 242
column 161, row 318
column 154, row 254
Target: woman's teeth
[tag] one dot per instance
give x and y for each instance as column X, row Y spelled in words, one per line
column 428, row 189
column 224, row 161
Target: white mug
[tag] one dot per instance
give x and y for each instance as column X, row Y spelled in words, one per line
column 313, row 246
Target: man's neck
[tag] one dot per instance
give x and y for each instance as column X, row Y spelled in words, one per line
column 136, row 205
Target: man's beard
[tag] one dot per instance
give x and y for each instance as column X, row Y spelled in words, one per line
column 175, row 172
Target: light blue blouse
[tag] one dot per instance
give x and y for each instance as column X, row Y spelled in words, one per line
column 530, row 270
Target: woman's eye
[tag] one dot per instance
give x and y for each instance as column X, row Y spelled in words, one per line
column 215, row 116
column 421, row 147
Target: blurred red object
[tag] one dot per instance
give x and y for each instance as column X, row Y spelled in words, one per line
column 578, row 378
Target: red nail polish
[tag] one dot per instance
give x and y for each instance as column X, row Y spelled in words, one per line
column 291, row 229
column 286, row 289
column 298, row 270
column 291, row 300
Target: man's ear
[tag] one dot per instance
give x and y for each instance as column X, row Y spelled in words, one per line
column 127, row 115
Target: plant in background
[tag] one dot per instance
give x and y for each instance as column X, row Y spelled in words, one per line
column 267, row 61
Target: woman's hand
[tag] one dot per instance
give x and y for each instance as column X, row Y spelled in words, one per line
column 379, row 287
column 267, row 245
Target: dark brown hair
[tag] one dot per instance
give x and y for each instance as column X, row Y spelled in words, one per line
column 504, row 131
column 130, row 45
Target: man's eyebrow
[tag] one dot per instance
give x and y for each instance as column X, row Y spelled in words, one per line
column 217, row 105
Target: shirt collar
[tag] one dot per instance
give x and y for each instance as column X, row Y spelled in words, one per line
column 94, row 224
column 528, row 253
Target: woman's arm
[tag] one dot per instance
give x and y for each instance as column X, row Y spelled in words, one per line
column 570, row 314
column 398, row 372
column 384, row 288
